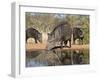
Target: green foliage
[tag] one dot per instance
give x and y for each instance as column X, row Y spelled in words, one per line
column 86, row 36
column 80, row 20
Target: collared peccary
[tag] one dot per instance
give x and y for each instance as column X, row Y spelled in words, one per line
column 33, row 33
column 78, row 34
column 61, row 34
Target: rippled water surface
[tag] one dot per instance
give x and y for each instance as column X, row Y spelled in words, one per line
column 65, row 57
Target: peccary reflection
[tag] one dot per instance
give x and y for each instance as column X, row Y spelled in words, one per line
column 48, row 57
column 78, row 57
column 33, row 33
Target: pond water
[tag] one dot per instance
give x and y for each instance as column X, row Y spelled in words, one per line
column 65, row 57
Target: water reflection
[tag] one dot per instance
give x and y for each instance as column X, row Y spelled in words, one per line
column 65, row 57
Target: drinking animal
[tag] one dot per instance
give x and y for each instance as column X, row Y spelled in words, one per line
column 78, row 34
column 33, row 33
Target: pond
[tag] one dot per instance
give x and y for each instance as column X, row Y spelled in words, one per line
column 65, row 57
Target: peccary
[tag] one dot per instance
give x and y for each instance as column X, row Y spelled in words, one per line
column 78, row 34
column 60, row 34
column 33, row 33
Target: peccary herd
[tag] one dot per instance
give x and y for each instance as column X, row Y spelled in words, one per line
column 57, row 39
column 61, row 34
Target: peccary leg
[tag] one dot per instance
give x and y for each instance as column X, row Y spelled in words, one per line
column 79, row 41
column 65, row 42
column 61, row 44
column 69, row 43
column 82, row 41
column 35, row 41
